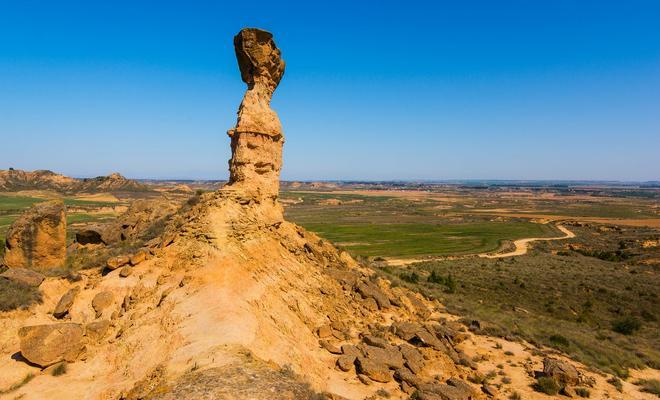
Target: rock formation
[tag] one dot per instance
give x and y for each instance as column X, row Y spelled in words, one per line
column 16, row 180
column 37, row 239
column 257, row 138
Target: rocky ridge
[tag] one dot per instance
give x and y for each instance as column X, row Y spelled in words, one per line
column 14, row 180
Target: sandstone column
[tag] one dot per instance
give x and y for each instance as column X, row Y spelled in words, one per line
column 257, row 139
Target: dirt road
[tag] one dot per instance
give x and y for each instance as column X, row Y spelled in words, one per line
column 522, row 245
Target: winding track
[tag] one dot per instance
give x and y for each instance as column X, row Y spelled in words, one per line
column 521, row 247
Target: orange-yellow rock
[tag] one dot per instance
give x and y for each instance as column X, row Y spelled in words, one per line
column 37, row 239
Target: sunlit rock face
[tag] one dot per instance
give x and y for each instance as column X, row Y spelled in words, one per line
column 257, row 139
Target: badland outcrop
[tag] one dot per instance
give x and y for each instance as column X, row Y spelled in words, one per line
column 234, row 302
column 14, row 180
column 37, row 239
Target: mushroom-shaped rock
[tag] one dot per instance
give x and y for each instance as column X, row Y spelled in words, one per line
column 45, row 345
column 256, row 140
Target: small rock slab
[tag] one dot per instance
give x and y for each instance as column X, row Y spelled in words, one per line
column 115, row 262
column 97, row 330
column 125, row 272
column 65, row 303
column 101, row 301
column 376, row 371
column 140, row 256
column 45, row 345
column 23, row 276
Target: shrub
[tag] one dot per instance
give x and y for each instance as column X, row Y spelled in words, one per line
column 451, row 284
column 60, row 369
column 559, row 340
column 15, row 295
column 649, row 386
column 626, row 325
column 547, row 385
column 435, row 278
column 411, row 277
column 583, row 392
column 616, row 382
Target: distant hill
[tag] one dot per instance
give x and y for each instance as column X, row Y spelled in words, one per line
column 14, row 180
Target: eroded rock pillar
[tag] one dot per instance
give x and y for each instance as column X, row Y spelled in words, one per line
column 257, row 139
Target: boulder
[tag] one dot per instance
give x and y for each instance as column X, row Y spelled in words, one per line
column 370, row 290
column 116, row 262
column 424, row 338
column 331, row 347
column 37, row 239
column 376, row 371
column 562, row 372
column 376, row 341
column 404, row 375
column 101, row 301
column 96, row 330
column 125, row 272
column 391, row 357
column 65, row 303
column 413, row 358
column 350, row 349
column 324, row 331
column 140, row 256
column 448, row 391
column 136, row 221
column 23, row 276
column 45, row 345
column 346, row 362
column 405, row 330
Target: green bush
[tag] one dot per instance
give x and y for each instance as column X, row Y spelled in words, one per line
column 547, row 385
column 409, row 277
column 559, row 340
column 649, row 386
column 435, row 278
column 583, row 392
column 626, row 325
column 616, row 382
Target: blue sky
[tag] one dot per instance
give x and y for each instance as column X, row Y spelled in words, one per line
column 373, row 90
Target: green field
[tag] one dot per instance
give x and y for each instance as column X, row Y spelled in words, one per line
column 381, row 226
column 408, row 240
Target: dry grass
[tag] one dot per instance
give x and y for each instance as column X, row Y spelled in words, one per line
column 15, row 295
